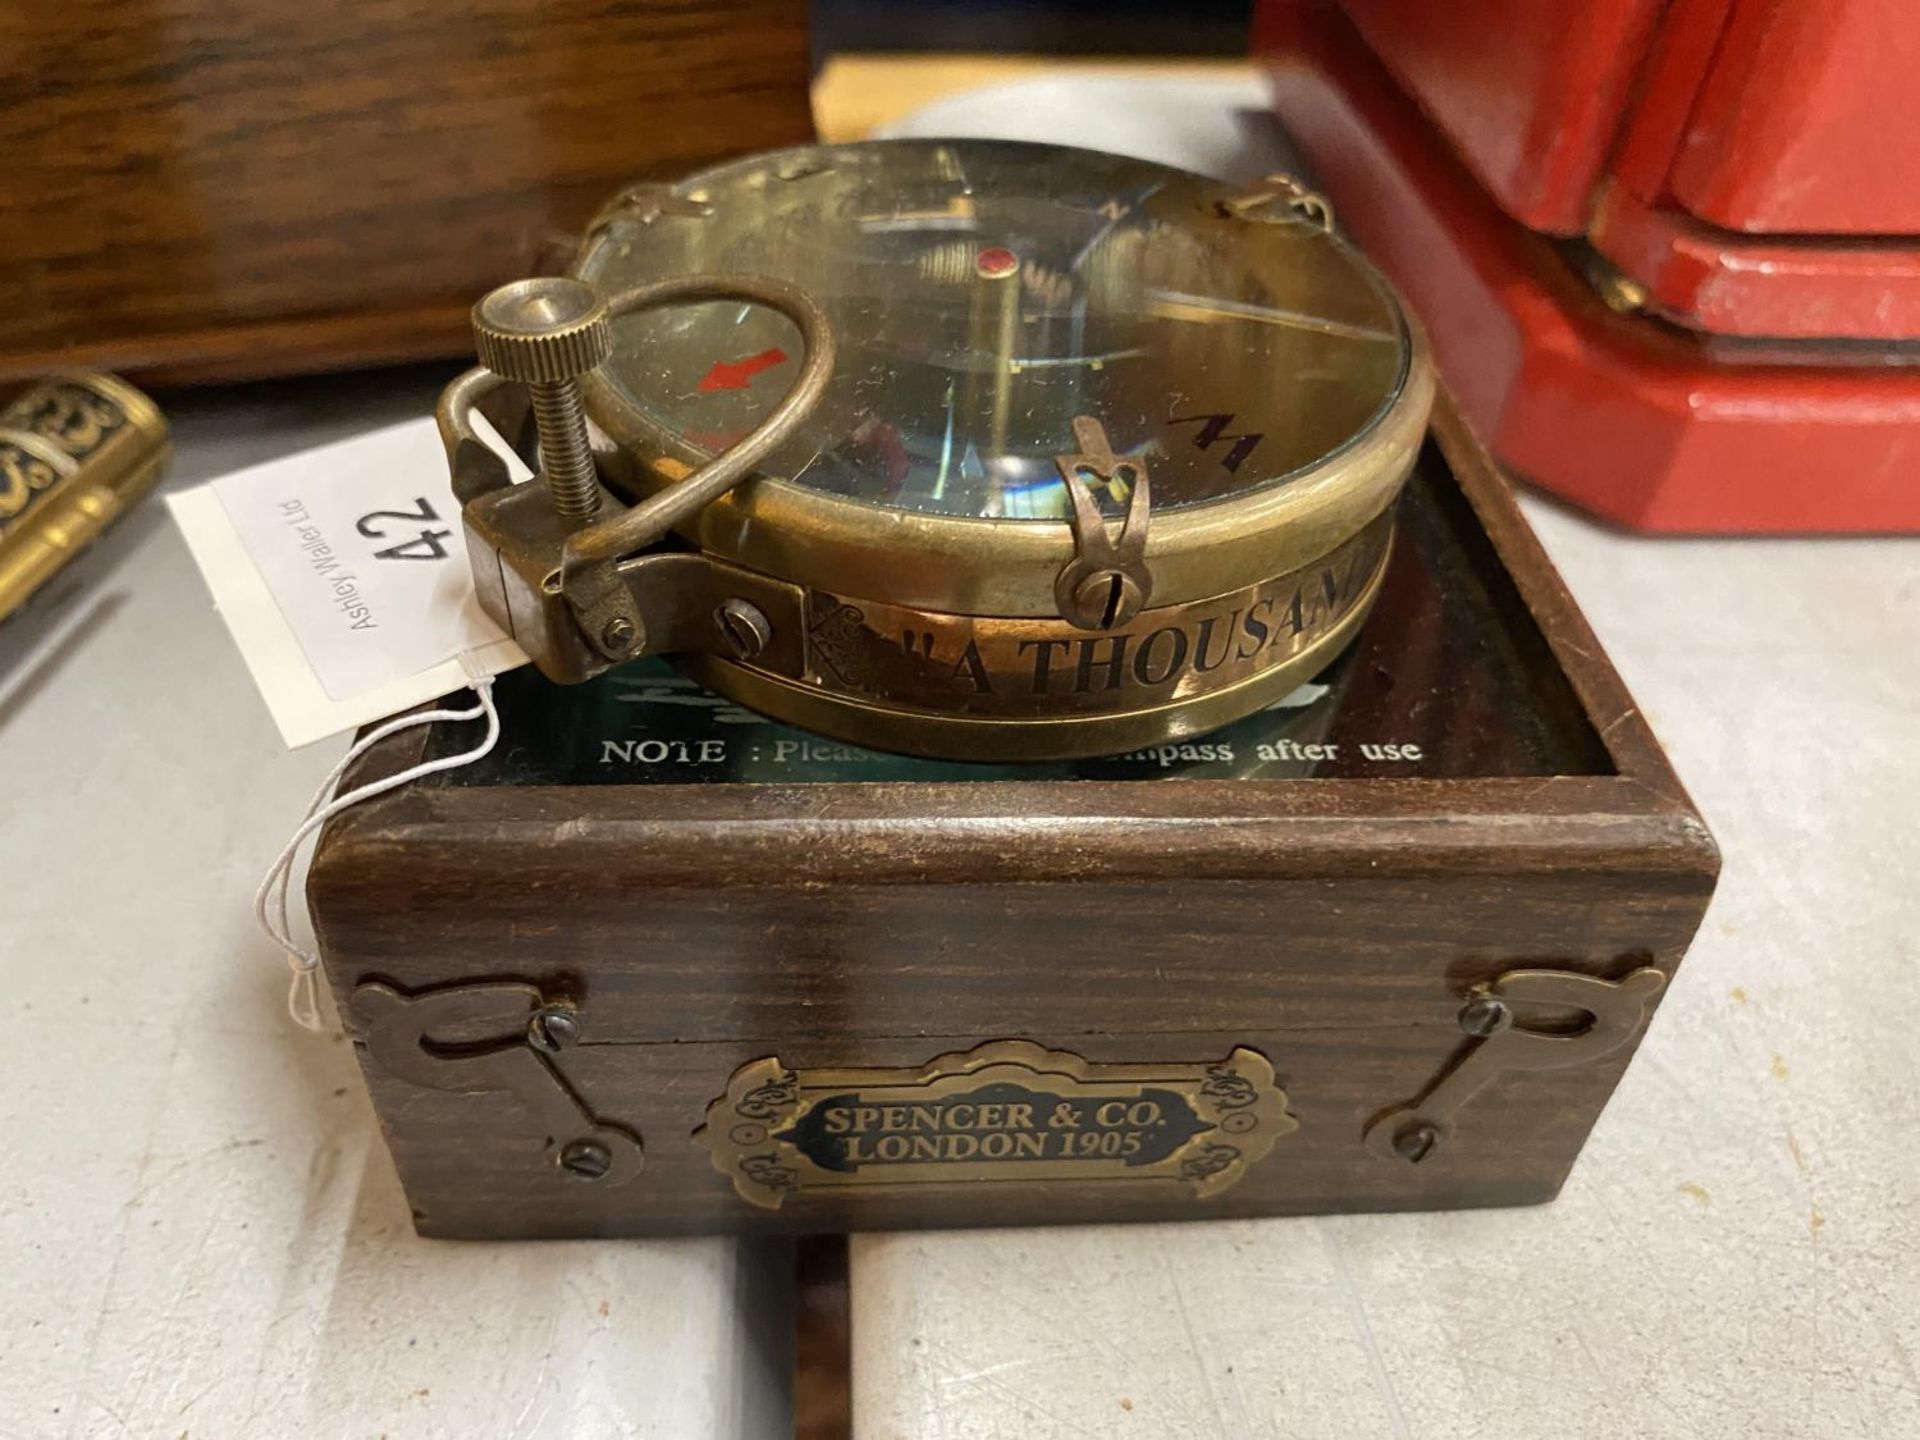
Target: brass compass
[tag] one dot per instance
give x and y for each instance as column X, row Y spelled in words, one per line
column 966, row 449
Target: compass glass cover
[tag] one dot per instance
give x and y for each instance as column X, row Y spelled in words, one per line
column 983, row 295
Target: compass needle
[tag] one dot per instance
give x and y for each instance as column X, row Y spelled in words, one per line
column 1173, row 305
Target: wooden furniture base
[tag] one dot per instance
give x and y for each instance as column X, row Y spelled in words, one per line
column 217, row 191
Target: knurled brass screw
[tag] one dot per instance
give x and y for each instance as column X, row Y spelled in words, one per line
column 546, row 333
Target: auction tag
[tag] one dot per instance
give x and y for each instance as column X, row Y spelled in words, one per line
column 342, row 574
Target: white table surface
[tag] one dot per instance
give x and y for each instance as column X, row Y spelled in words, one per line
column 200, row 1231
column 1737, row 1253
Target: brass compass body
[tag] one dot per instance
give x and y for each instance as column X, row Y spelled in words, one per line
column 967, row 449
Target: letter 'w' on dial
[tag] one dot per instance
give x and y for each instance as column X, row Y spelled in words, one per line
column 1107, row 582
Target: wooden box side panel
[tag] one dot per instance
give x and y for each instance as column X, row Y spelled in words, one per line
column 1336, row 926
column 1351, row 987
column 476, row 1168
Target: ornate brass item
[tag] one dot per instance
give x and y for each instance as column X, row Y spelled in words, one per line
column 1007, row 1111
column 77, row 451
column 966, row 449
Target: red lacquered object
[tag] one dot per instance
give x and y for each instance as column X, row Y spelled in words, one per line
column 1734, row 175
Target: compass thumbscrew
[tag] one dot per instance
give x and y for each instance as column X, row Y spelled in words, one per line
column 547, row 333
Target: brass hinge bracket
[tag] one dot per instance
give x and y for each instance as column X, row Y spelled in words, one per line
column 550, row 572
column 645, row 204
column 1280, row 199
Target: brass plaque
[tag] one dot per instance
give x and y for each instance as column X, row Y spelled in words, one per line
column 1006, row 1112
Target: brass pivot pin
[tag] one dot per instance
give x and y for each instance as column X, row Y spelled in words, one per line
column 1107, row 582
column 546, row 333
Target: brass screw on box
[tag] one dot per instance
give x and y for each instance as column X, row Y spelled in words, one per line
column 546, row 333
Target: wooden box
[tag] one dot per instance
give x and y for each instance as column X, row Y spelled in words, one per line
column 657, row 966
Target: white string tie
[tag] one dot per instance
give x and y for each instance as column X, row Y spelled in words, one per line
column 270, row 900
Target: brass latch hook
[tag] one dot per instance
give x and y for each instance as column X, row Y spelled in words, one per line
column 1614, row 1010
column 1107, row 582
column 426, row 1038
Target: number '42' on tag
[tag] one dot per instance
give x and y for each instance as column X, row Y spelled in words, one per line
column 342, row 574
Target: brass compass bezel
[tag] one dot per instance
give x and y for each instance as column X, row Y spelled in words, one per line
column 975, row 565
column 972, row 566
column 960, row 636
